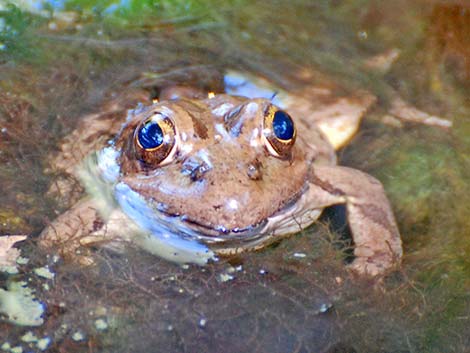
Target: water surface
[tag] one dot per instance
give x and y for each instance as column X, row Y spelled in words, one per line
column 59, row 60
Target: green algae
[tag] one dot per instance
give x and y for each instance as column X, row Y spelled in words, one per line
column 20, row 306
column 425, row 173
column 10, row 220
column 101, row 324
column 16, row 38
column 44, row 272
column 29, row 337
column 43, row 343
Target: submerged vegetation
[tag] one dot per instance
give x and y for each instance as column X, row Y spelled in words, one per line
column 58, row 60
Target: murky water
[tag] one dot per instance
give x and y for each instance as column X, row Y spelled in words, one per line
column 296, row 296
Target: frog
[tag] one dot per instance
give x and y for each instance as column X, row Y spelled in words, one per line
column 193, row 176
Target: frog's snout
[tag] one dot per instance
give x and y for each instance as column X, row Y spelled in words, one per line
column 196, row 168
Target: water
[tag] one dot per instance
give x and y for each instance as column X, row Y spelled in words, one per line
column 55, row 70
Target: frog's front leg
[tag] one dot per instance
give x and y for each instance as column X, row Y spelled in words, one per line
column 377, row 243
column 71, row 230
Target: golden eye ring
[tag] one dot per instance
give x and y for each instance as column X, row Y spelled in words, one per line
column 279, row 132
column 155, row 140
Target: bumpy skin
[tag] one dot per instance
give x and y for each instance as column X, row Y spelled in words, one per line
column 224, row 195
column 234, row 181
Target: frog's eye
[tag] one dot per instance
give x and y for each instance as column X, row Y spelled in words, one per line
column 155, row 140
column 279, row 132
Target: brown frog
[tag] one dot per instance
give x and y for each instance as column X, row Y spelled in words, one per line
column 194, row 176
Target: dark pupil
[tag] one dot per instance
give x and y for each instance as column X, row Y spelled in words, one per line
column 283, row 125
column 150, row 135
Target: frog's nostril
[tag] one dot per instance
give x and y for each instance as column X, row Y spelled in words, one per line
column 195, row 168
column 254, row 171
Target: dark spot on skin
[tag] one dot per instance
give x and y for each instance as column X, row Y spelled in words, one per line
column 199, row 127
column 325, row 185
column 98, row 223
column 378, row 215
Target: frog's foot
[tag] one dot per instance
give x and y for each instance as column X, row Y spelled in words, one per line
column 406, row 112
column 364, row 265
column 377, row 243
column 69, row 233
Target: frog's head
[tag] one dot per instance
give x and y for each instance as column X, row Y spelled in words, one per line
column 223, row 165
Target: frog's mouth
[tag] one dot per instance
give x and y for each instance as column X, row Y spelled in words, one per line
column 293, row 217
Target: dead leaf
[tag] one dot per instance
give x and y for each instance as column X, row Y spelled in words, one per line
column 8, row 254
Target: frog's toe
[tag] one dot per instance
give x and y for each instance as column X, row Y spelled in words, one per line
column 373, row 265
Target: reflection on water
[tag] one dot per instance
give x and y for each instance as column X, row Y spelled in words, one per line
column 58, row 66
